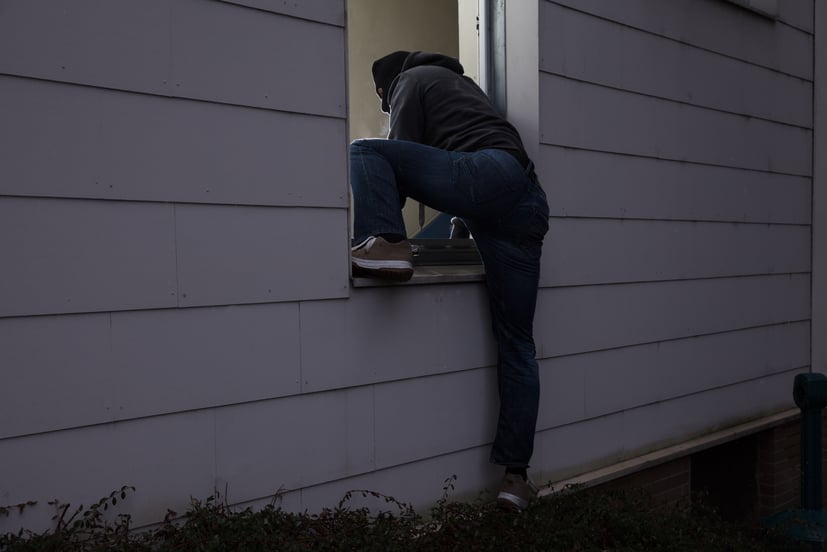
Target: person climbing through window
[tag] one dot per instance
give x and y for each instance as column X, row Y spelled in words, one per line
column 450, row 149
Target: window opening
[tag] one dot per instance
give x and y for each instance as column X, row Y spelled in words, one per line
column 458, row 28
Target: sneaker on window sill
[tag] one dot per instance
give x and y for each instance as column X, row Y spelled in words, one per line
column 377, row 258
column 515, row 493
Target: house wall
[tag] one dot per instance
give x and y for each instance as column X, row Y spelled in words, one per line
column 175, row 311
column 819, row 340
column 164, row 213
column 676, row 149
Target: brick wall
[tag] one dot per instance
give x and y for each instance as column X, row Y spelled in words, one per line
column 750, row 478
column 778, row 469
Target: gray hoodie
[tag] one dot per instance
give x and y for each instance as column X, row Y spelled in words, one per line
column 433, row 103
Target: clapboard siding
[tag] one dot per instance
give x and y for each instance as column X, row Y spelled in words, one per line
column 385, row 334
column 81, row 256
column 578, row 387
column 294, row 442
column 588, row 251
column 576, row 448
column 205, row 357
column 72, row 141
column 612, row 54
column 234, row 255
column 252, row 450
column 423, row 482
column 676, row 144
column 676, row 272
column 819, row 312
column 672, row 421
column 583, row 183
column 168, row 459
column 225, row 53
column 101, row 368
column 797, row 14
column 582, row 115
column 61, row 385
column 589, row 318
column 713, row 25
column 604, row 382
column 326, row 11
column 197, row 49
column 426, row 408
column 109, row 256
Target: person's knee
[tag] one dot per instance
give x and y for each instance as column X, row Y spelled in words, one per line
column 361, row 144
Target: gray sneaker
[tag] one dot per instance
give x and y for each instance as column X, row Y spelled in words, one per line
column 377, row 258
column 515, row 493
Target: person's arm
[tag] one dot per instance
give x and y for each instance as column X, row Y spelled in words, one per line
column 407, row 119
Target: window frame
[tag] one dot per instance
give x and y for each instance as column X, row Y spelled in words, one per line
column 446, row 260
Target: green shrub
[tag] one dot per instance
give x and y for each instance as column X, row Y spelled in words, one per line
column 579, row 520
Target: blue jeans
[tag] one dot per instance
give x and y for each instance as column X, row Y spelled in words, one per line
column 507, row 213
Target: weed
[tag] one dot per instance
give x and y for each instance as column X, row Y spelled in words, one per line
column 579, row 520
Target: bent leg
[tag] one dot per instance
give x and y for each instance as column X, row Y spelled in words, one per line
column 482, row 185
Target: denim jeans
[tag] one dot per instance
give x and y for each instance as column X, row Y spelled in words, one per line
column 507, row 213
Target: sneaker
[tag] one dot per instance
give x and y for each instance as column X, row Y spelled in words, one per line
column 377, row 258
column 515, row 492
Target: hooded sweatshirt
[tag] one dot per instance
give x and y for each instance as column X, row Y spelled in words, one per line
column 431, row 102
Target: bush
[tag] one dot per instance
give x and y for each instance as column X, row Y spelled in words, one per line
column 572, row 521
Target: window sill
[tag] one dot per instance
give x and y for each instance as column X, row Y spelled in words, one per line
column 443, row 274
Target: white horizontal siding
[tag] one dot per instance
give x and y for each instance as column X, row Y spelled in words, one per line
column 64, row 384
column 576, row 388
column 103, row 368
column 249, row 451
column 590, row 318
column 819, row 312
column 580, row 46
column 102, row 256
column 421, row 418
column 673, row 421
column 583, row 183
column 588, row 251
column 384, row 334
column 71, row 141
column 798, row 14
column 419, row 483
column 221, row 52
column 294, row 442
column 595, row 384
column 576, row 448
column 326, row 11
column 197, row 49
column 204, row 357
column 577, row 114
column 167, row 459
column 713, row 25
column 698, row 352
column 80, row 256
column 233, row 255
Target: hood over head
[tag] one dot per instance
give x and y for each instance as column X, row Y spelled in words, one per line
column 387, row 68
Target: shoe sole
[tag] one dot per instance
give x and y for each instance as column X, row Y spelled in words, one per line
column 399, row 271
column 508, row 501
column 369, row 264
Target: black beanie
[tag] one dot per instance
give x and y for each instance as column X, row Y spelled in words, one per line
column 386, row 69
